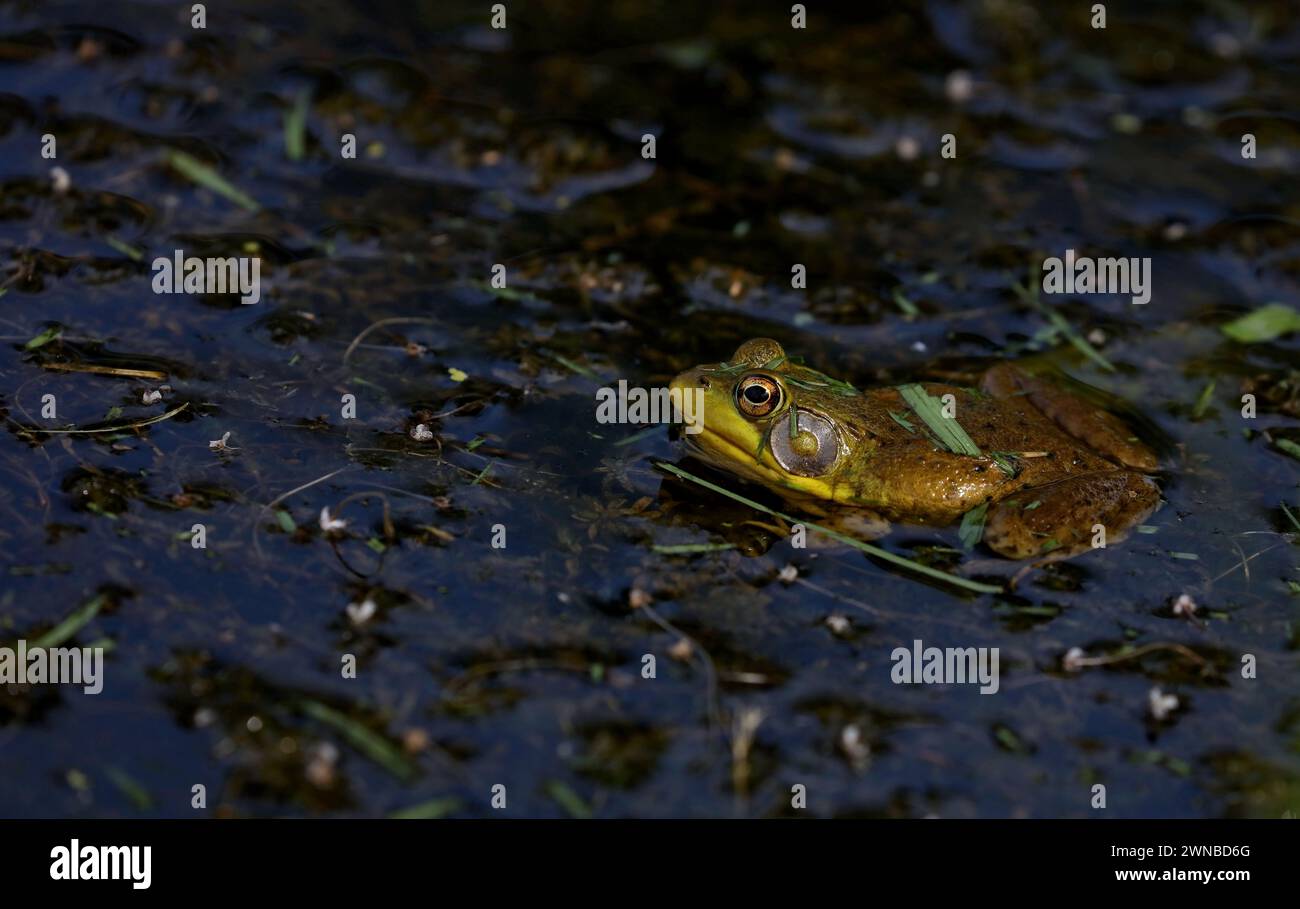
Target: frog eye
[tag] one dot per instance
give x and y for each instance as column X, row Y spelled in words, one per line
column 758, row 396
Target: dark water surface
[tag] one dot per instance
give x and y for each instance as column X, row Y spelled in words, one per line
column 522, row 666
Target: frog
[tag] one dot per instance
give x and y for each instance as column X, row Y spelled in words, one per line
column 1054, row 474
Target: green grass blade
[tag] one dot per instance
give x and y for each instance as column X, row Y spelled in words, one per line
column 371, row 744
column 295, row 126
column 884, row 554
column 569, row 800
column 971, row 530
column 1203, row 401
column 71, row 625
column 195, row 170
column 431, row 810
column 946, row 429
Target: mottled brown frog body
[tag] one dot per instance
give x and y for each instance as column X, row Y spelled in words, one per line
column 1051, row 466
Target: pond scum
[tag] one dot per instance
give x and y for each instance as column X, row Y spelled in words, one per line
column 308, row 316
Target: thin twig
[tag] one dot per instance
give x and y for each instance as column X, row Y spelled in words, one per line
column 136, row 425
column 395, row 320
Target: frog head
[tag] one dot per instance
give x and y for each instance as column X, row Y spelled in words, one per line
column 771, row 420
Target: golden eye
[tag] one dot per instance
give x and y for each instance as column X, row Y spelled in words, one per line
column 758, row 396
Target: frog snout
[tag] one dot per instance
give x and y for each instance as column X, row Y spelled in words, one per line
column 692, row 378
column 688, row 392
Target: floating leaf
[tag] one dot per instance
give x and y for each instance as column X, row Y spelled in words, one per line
column 285, row 520
column 43, row 338
column 1264, row 324
column 1289, row 447
column 457, row 375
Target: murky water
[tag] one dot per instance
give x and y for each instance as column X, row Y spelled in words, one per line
column 523, row 666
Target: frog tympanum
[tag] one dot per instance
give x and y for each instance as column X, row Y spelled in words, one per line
column 1051, row 468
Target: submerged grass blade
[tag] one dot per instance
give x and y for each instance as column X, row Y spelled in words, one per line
column 1292, row 518
column 127, row 785
column 126, row 249
column 195, row 170
column 971, row 530
column 295, row 126
column 569, row 800
column 1028, row 293
column 638, row 436
column 907, row 307
column 71, row 625
column 371, row 744
column 1203, row 401
column 692, row 548
column 884, row 554
column 946, row 429
column 431, row 810
column 571, row 365
column 133, row 425
column 1079, row 342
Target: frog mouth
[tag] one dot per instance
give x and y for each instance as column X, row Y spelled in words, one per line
column 717, row 449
